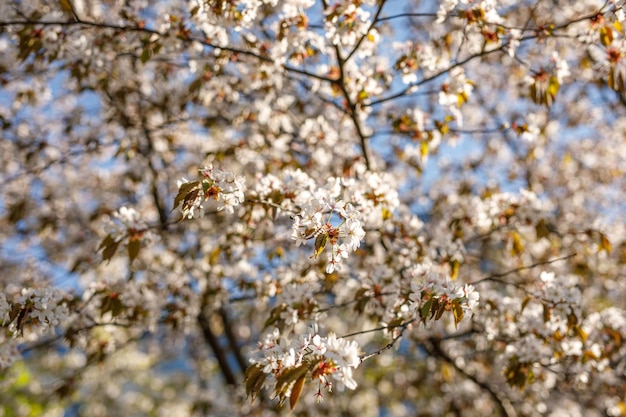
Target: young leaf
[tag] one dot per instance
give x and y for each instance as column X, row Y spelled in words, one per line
column 183, row 191
column 109, row 246
column 287, row 377
column 133, row 249
column 606, row 35
column 320, row 243
column 581, row 333
column 424, row 149
column 457, row 311
column 113, row 304
column 517, row 247
column 605, row 244
column 255, row 377
column 440, row 311
column 541, row 229
column 425, row 309
column 455, row 266
column 546, row 313
column 296, row 390
column 107, row 241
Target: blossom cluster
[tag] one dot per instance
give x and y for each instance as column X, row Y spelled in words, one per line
column 222, row 186
column 36, row 309
column 315, row 221
column 314, row 355
column 126, row 222
column 455, row 92
column 341, row 122
column 433, row 294
column 34, row 306
column 496, row 210
column 346, row 23
column 546, row 330
column 125, row 226
column 486, row 7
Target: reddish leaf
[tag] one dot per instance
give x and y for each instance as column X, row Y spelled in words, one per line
column 295, row 392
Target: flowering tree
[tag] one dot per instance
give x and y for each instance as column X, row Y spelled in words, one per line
column 235, row 207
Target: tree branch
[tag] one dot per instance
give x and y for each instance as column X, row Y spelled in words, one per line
column 406, row 15
column 367, row 32
column 185, row 39
column 402, row 327
column 521, row 268
column 232, row 340
column 213, row 341
column 353, row 112
column 503, row 404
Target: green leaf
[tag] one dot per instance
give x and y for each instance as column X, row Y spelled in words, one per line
column 553, row 88
column 133, row 249
column 440, row 311
column 108, row 246
column 424, row 149
column 288, row 377
column 541, row 229
column 581, row 333
column 149, row 50
column 425, row 309
column 546, row 313
column 517, row 374
column 113, row 304
column 455, row 266
column 296, row 390
column 457, row 311
column 105, row 242
column 275, row 315
column 517, row 247
column 320, row 243
column 66, row 6
column 606, row 35
column 183, row 191
column 605, row 244
column 255, row 377
column 194, row 87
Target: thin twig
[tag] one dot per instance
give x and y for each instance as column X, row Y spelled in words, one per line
column 389, row 345
column 367, row 32
column 406, row 15
column 521, row 268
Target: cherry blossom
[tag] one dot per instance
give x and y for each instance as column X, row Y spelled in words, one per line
column 225, row 207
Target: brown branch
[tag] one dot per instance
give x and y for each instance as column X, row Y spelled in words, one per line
column 406, row 15
column 185, row 39
column 537, row 35
column 51, row 340
column 232, row 340
column 356, row 300
column 402, row 327
column 366, row 34
column 213, row 342
column 154, row 186
column 436, row 75
column 353, row 112
column 495, row 277
column 503, row 404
